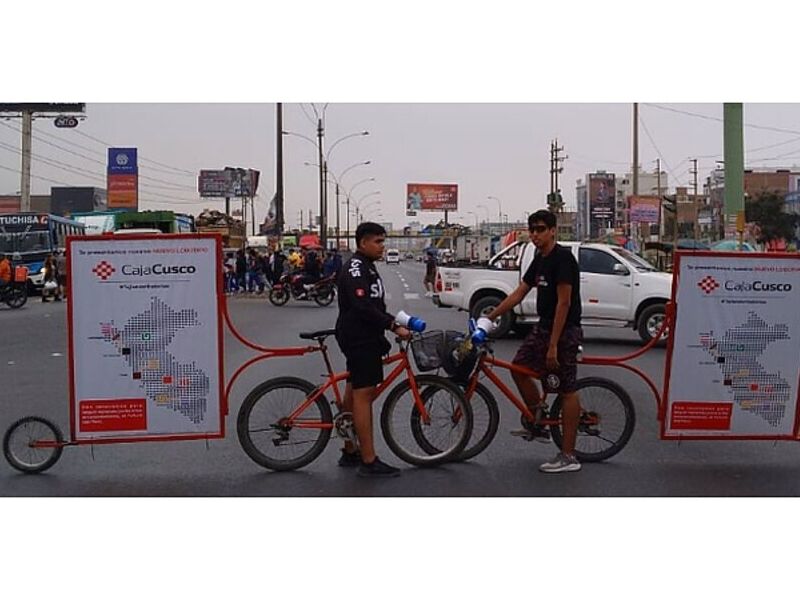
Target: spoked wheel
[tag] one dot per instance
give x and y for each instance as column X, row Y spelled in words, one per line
column 485, row 421
column 17, row 297
column 443, row 437
column 606, row 422
column 279, row 296
column 324, row 295
column 270, row 438
column 21, row 444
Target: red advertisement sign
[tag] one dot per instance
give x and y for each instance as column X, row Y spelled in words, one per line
column 113, row 415
column 123, row 191
column 708, row 416
column 431, row 196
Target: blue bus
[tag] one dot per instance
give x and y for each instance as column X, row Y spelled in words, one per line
column 35, row 236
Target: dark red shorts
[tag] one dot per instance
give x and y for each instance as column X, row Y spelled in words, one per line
column 533, row 355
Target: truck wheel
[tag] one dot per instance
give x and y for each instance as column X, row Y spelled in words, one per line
column 650, row 322
column 486, row 305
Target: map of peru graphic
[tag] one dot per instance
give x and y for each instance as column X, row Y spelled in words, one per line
column 737, row 354
column 143, row 343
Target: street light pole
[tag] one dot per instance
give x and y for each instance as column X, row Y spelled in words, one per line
column 499, row 207
column 320, row 135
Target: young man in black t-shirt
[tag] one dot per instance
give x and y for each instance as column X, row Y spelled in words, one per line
column 360, row 332
column 551, row 348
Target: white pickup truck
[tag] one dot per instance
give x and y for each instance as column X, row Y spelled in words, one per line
column 618, row 288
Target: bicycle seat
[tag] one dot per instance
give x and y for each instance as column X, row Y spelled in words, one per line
column 317, row 335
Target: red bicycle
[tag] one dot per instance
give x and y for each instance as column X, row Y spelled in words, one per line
column 285, row 423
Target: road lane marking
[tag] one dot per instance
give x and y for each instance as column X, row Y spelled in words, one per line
column 411, row 296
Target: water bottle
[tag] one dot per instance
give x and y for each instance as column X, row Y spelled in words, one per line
column 411, row 323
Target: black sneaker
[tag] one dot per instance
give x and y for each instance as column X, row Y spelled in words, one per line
column 377, row 468
column 350, row 459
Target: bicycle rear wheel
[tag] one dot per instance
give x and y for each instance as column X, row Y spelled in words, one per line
column 19, row 440
column 448, row 431
column 269, row 438
column 606, row 422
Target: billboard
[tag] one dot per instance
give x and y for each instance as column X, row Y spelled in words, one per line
column 228, row 183
column 122, row 183
column 645, row 209
column 732, row 368
column 431, row 196
column 602, row 197
column 137, row 309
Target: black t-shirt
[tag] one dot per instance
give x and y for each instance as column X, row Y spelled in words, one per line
column 545, row 273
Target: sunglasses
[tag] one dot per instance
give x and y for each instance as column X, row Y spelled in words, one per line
column 539, row 228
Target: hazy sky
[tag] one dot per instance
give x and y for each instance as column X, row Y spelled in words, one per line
column 497, row 150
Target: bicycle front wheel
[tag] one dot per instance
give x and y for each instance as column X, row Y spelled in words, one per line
column 606, row 422
column 444, row 435
column 273, row 440
column 19, row 444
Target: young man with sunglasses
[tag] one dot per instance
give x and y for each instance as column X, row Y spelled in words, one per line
column 551, row 348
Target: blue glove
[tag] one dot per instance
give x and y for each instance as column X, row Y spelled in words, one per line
column 479, row 336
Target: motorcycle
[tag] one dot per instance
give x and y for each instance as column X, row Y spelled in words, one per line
column 290, row 286
column 15, row 294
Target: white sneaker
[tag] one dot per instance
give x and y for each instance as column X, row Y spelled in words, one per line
column 562, row 463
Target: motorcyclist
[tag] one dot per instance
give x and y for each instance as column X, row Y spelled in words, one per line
column 5, row 270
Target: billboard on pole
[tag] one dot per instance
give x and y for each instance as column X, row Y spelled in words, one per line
column 122, row 180
column 602, row 199
column 228, row 183
column 431, row 196
column 645, row 209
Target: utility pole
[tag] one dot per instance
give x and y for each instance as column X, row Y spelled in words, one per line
column 696, row 208
column 337, row 215
column 555, row 203
column 635, row 167
column 301, row 220
column 733, row 143
column 320, row 162
column 279, row 220
column 25, row 185
column 660, row 200
column 347, row 217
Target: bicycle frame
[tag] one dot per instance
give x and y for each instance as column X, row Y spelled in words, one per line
column 333, row 380
column 507, row 391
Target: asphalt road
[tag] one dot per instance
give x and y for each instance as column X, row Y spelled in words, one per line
column 34, row 382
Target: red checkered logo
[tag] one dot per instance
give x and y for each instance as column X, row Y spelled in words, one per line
column 708, row 284
column 103, row 270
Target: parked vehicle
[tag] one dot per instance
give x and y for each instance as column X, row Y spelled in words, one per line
column 392, row 256
column 290, row 286
column 618, row 288
column 473, row 248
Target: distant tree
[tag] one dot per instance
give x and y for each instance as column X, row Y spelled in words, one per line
column 767, row 212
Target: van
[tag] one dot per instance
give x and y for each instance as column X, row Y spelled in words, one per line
column 392, row 256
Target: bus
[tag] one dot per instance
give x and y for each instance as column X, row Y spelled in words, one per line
column 34, row 236
column 165, row 221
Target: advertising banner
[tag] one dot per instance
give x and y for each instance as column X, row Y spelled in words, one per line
column 122, row 179
column 228, row 183
column 732, row 367
column 123, row 161
column 431, row 196
column 602, row 198
column 645, row 209
column 138, row 307
column 123, row 191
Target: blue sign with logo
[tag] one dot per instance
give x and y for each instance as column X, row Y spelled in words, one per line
column 122, row 161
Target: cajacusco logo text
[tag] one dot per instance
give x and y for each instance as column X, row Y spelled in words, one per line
column 757, row 286
column 157, row 269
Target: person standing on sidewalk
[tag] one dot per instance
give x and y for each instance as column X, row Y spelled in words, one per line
column 552, row 346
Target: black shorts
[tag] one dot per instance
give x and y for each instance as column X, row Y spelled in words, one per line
column 365, row 364
column 533, row 355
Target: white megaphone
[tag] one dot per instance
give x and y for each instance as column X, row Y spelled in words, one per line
column 411, row 323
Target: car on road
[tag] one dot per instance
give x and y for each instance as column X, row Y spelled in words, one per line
column 618, row 288
column 392, row 256
column 409, row 256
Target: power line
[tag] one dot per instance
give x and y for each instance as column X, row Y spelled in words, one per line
column 172, row 186
column 155, row 162
column 661, row 156
column 720, row 120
